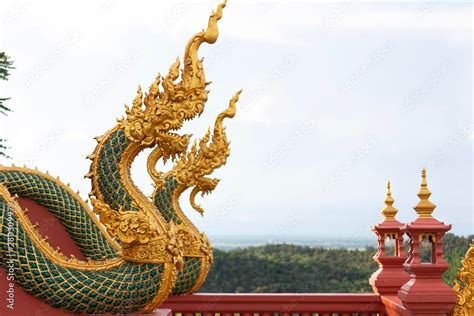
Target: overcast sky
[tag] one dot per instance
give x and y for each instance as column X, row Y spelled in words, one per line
column 337, row 98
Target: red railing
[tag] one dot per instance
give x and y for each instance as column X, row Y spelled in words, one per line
column 283, row 304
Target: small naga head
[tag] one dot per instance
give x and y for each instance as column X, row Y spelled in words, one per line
column 210, row 153
column 166, row 110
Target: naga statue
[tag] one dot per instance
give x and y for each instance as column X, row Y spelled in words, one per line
column 139, row 249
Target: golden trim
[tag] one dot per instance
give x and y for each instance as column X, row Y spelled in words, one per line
column 143, row 202
column 94, row 164
column 170, row 275
column 57, row 181
column 148, row 212
column 205, row 267
column 464, row 286
column 154, row 251
column 129, row 227
column 53, row 254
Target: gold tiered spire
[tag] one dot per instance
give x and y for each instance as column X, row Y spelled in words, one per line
column 389, row 211
column 424, row 208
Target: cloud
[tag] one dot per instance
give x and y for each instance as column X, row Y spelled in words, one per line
column 107, row 22
column 291, row 59
column 260, row 111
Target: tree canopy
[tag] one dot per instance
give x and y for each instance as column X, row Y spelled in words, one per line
column 6, row 64
column 302, row 269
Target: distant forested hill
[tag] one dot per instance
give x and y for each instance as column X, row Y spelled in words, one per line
column 299, row 269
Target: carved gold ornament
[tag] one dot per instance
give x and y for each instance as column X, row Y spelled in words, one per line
column 464, row 286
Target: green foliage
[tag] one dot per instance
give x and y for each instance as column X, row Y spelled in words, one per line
column 290, row 268
column 3, row 148
column 298, row 269
column 5, row 65
column 454, row 249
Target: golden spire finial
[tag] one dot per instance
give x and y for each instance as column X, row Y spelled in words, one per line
column 389, row 211
column 424, row 208
column 193, row 72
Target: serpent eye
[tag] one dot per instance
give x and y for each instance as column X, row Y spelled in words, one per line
column 179, row 98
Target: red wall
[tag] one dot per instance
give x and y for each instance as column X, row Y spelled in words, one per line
column 25, row 304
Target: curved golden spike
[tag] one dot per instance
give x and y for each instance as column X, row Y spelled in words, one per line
column 228, row 113
column 193, row 74
column 192, row 200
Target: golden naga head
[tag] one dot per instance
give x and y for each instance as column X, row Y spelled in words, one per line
column 166, row 110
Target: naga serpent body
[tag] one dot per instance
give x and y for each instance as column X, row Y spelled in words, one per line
column 138, row 250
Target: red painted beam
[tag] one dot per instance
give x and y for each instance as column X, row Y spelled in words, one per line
column 269, row 303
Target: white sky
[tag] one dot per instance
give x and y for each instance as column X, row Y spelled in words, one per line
column 338, row 97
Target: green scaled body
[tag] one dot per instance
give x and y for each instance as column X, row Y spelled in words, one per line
column 124, row 288
column 188, row 277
